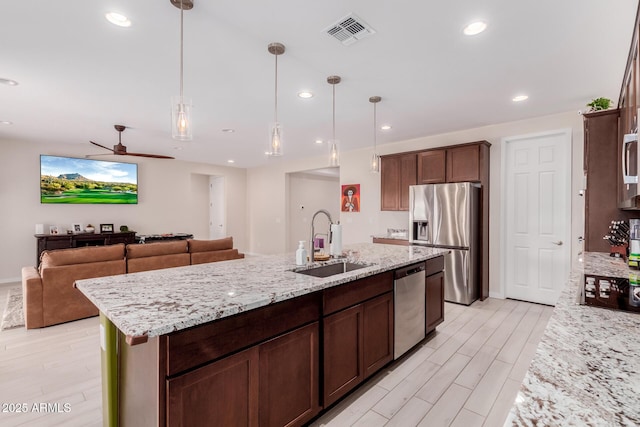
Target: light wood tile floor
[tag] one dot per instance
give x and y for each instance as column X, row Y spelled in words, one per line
column 467, row 374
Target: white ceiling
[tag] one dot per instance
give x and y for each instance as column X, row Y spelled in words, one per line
column 79, row 75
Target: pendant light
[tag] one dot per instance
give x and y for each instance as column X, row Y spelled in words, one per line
column 334, row 154
column 275, row 135
column 181, row 125
column 375, row 159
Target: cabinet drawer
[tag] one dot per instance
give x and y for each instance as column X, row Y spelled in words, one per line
column 434, row 265
column 343, row 296
column 193, row 347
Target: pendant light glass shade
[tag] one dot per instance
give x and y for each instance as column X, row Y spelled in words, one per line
column 334, row 153
column 275, row 134
column 375, row 159
column 181, row 124
column 275, row 140
column 181, row 118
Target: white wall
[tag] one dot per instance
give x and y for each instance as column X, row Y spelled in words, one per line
column 267, row 190
column 312, row 192
column 173, row 198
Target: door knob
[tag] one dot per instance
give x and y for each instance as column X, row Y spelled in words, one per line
column 559, row 243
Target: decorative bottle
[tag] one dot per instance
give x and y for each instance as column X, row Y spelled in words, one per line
column 301, row 254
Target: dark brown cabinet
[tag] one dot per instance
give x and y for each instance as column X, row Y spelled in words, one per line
column 357, row 333
column 463, row 163
column 271, row 384
column 601, row 169
column 432, row 166
column 289, row 375
column 221, row 394
column 434, row 303
column 397, row 173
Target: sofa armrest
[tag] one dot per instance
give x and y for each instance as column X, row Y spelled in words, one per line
column 32, row 298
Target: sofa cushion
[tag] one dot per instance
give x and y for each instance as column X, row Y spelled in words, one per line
column 84, row 255
column 143, row 250
column 210, row 245
column 214, row 256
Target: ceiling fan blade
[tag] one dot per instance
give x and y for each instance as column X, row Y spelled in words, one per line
column 153, row 156
column 106, row 148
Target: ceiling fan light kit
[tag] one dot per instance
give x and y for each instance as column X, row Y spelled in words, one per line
column 275, row 134
column 181, row 123
column 334, row 153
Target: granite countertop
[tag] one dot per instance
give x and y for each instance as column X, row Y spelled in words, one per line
column 158, row 302
column 586, row 371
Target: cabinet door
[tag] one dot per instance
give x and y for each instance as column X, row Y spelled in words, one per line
column 431, row 167
column 343, row 345
column 223, row 393
column 389, row 183
column 378, row 333
column 407, row 178
column 289, row 389
column 463, row 163
column 434, row 300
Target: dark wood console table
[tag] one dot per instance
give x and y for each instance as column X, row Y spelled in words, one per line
column 65, row 241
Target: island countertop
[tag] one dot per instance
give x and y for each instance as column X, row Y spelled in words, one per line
column 585, row 371
column 158, row 302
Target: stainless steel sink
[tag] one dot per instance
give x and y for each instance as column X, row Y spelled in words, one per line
column 331, row 269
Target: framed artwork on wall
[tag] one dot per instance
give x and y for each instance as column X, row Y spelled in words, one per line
column 350, row 198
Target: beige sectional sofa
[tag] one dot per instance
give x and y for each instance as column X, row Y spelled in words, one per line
column 49, row 295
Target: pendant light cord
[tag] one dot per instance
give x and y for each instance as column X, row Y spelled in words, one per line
column 334, row 112
column 181, row 44
column 276, row 92
column 374, row 127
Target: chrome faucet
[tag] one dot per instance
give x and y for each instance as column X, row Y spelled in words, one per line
column 311, row 245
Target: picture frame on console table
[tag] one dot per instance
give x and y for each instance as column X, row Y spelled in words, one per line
column 106, row 228
column 53, row 229
column 76, row 228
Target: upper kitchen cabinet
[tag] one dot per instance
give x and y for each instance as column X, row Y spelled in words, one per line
column 432, row 166
column 397, row 173
column 458, row 163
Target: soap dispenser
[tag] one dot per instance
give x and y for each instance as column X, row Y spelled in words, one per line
column 301, row 254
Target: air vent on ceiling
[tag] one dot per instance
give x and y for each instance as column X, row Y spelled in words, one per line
column 349, row 30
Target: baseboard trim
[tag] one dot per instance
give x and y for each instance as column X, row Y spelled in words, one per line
column 10, row 280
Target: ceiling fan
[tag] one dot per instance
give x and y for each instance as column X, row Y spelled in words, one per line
column 121, row 150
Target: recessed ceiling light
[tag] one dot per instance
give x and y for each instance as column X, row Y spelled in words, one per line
column 385, row 127
column 475, row 28
column 319, row 141
column 305, row 94
column 5, row 122
column 231, row 161
column 118, row 19
column 228, row 130
column 9, row 82
column 177, row 147
column 520, row 98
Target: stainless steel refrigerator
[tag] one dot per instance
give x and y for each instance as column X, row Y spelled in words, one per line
column 448, row 216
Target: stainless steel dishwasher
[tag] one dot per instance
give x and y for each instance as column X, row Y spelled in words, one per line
column 409, row 307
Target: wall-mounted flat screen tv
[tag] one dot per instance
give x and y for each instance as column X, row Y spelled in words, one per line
column 86, row 181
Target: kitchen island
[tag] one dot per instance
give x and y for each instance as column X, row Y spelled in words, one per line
column 585, row 371
column 173, row 339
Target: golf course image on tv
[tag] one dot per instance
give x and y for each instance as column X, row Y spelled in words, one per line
column 87, row 181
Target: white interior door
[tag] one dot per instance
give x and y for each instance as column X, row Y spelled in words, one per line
column 537, row 208
column 217, row 220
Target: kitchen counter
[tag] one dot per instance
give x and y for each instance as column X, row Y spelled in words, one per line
column 585, row 371
column 155, row 303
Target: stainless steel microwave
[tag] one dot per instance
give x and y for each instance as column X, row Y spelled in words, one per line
column 630, row 172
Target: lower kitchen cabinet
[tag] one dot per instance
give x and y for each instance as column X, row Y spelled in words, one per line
column 223, row 393
column 271, row 384
column 358, row 341
column 434, row 300
column 289, row 374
